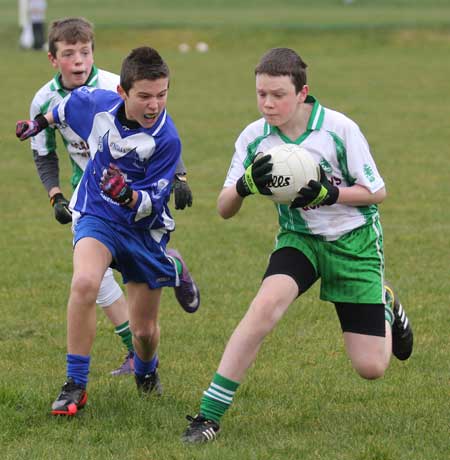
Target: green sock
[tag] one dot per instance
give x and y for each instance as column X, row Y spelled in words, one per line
column 123, row 330
column 218, row 397
column 388, row 313
column 179, row 267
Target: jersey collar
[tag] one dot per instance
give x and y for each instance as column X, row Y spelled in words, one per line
column 131, row 125
column 315, row 122
column 92, row 81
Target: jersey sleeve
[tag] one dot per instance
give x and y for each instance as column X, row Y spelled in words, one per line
column 236, row 169
column 361, row 164
column 44, row 142
column 181, row 168
column 77, row 110
column 154, row 189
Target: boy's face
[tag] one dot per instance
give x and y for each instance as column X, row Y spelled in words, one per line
column 277, row 99
column 145, row 100
column 74, row 62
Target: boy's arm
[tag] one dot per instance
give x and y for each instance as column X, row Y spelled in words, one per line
column 254, row 180
column 47, row 167
column 77, row 110
column 148, row 195
column 229, row 202
column 357, row 195
column 29, row 128
column 181, row 168
column 48, row 170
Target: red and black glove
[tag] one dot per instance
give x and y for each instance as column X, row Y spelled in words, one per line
column 29, row 128
column 114, row 185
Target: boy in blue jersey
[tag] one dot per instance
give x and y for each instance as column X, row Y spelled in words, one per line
column 71, row 53
column 124, row 220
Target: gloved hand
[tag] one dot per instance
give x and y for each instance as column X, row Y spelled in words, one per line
column 29, row 128
column 61, row 208
column 182, row 192
column 256, row 178
column 114, row 185
column 323, row 192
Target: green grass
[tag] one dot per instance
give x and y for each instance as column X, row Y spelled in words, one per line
column 301, row 400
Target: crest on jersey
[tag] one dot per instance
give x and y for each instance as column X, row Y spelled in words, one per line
column 103, row 142
column 368, row 172
column 136, row 159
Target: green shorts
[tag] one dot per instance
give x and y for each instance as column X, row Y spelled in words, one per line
column 351, row 268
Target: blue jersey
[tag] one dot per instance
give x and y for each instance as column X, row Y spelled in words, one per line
column 146, row 157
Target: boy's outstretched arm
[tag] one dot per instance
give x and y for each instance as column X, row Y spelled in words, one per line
column 29, row 128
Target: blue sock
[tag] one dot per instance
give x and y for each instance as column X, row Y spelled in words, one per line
column 145, row 367
column 78, row 368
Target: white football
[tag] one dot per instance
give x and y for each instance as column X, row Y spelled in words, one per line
column 293, row 167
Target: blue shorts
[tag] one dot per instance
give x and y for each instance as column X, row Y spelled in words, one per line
column 135, row 253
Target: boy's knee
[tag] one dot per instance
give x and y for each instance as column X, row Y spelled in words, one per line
column 84, row 287
column 370, row 370
column 266, row 312
column 145, row 334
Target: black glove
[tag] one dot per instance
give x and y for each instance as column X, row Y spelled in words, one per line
column 182, row 192
column 323, row 192
column 29, row 128
column 256, row 178
column 61, row 207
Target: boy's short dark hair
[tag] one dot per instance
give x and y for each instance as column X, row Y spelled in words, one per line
column 70, row 30
column 283, row 61
column 142, row 63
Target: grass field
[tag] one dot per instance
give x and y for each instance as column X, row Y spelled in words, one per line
column 385, row 64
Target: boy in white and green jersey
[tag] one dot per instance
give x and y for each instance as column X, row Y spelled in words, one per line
column 71, row 44
column 331, row 231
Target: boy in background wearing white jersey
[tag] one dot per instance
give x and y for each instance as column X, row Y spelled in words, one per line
column 123, row 217
column 71, row 46
column 32, row 23
column 331, row 231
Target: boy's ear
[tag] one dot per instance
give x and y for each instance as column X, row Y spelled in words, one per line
column 52, row 60
column 303, row 93
column 122, row 93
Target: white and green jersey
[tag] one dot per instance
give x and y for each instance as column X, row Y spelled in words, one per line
column 338, row 145
column 50, row 95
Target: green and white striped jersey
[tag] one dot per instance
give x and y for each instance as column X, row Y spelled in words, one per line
column 337, row 144
column 51, row 94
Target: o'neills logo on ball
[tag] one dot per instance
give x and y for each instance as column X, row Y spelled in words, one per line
column 280, row 181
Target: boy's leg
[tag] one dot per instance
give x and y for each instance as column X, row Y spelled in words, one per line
column 117, row 313
column 90, row 260
column 143, row 304
column 114, row 305
column 367, row 337
column 275, row 295
column 369, row 354
column 373, row 332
